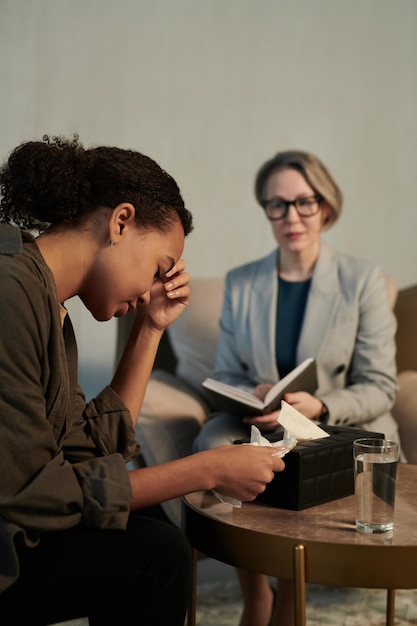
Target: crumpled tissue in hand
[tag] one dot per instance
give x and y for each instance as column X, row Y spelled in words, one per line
column 256, row 439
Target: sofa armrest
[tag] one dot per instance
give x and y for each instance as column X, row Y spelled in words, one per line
column 171, row 417
column 405, row 413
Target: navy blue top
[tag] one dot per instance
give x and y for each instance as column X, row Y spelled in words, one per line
column 292, row 299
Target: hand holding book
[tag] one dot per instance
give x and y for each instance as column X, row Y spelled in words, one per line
column 240, row 402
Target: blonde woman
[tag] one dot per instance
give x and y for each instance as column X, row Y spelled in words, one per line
column 303, row 299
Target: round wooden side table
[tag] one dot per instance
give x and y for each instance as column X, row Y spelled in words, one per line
column 316, row 545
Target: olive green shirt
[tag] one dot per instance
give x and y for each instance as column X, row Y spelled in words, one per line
column 62, row 459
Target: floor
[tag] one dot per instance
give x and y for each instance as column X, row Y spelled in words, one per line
column 219, row 602
column 210, row 571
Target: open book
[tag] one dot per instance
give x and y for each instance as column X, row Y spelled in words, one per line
column 241, row 402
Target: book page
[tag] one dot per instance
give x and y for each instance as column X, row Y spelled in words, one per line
column 284, row 382
column 233, row 392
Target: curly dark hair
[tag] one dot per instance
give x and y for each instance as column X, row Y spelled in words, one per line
column 57, row 182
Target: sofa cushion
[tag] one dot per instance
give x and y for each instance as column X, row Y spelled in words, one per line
column 391, row 290
column 194, row 334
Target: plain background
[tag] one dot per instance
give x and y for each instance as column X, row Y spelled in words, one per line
column 211, row 89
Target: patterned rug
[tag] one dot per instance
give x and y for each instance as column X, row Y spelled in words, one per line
column 219, row 604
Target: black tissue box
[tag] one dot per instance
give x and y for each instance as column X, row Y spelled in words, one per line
column 316, row 471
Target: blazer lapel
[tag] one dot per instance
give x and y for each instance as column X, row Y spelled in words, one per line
column 262, row 314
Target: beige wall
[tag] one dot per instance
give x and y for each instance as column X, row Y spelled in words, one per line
column 211, row 88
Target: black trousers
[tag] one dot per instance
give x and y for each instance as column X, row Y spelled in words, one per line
column 140, row 576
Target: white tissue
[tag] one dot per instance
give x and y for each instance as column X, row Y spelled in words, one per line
column 295, row 422
column 287, row 442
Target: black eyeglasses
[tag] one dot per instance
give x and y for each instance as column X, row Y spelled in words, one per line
column 277, row 209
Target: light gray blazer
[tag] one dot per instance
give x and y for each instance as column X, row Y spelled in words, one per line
column 348, row 327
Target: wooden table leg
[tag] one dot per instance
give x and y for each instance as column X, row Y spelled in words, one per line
column 192, row 607
column 300, row 585
column 390, row 607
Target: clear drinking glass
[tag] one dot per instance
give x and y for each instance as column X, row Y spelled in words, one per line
column 375, row 480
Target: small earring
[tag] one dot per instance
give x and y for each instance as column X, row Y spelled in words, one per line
column 111, row 243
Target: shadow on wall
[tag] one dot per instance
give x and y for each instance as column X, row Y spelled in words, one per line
column 96, row 342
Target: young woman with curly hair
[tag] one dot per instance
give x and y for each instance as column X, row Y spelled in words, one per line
column 106, row 225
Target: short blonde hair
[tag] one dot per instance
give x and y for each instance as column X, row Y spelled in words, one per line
column 314, row 172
